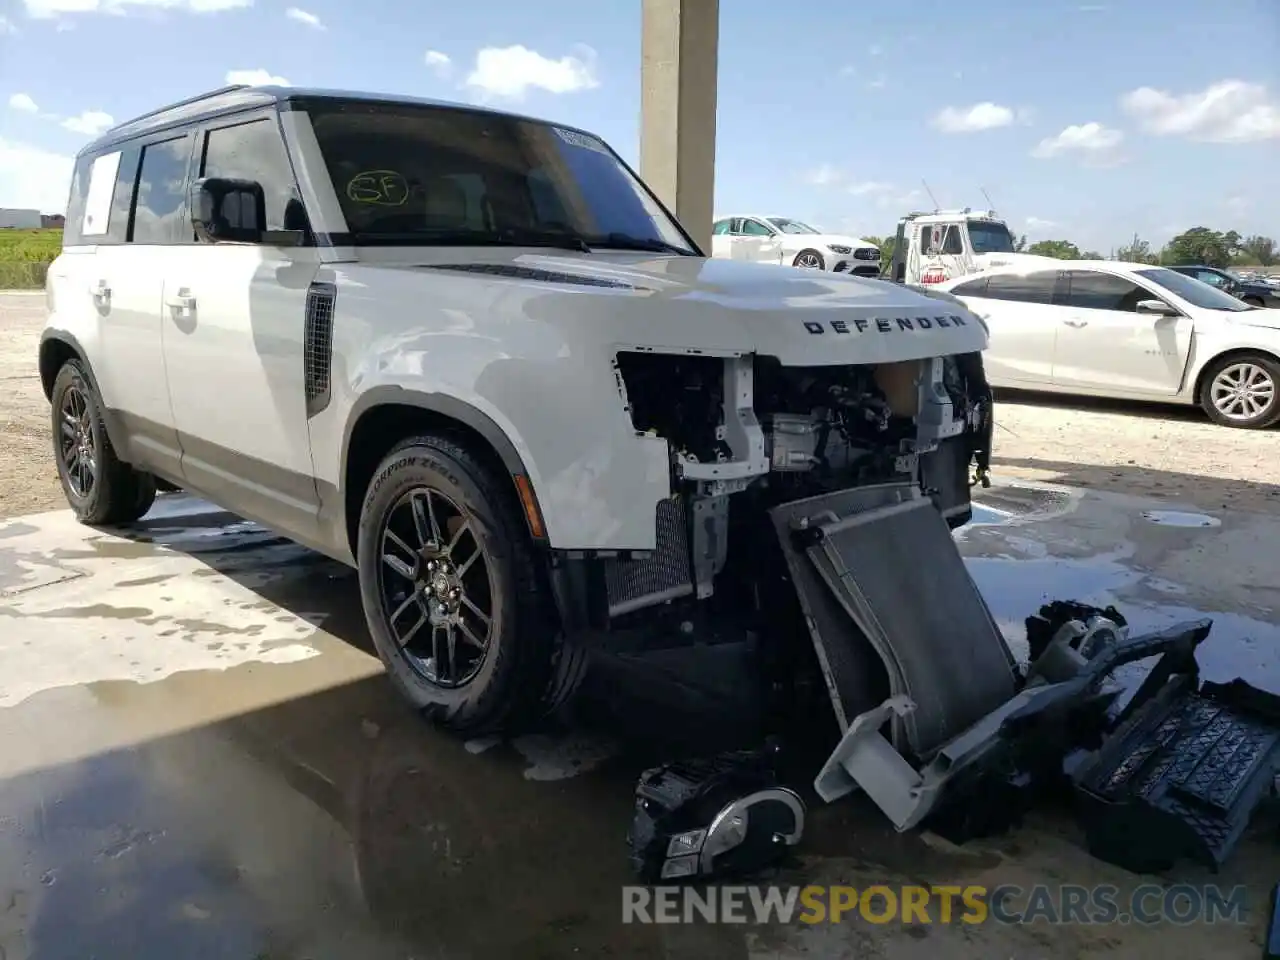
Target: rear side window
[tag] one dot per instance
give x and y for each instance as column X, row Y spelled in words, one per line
column 161, row 197
column 96, row 219
column 1091, row 290
column 255, row 151
column 1026, row 288
column 974, row 288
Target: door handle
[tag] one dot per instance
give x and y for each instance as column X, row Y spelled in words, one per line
column 182, row 301
column 1076, row 323
column 101, row 291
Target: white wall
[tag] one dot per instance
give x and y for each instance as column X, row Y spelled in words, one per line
column 23, row 219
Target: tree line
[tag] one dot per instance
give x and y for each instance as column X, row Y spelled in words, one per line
column 1199, row 245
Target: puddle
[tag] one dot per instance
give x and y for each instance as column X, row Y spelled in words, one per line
column 1175, row 518
column 1237, row 646
column 984, row 516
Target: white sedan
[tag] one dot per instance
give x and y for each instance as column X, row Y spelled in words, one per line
column 790, row 242
column 1130, row 331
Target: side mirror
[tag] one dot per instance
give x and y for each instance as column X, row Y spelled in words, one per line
column 228, row 211
column 1157, row 307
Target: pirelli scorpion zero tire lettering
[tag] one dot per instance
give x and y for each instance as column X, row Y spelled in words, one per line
column 451, row 591
column 100, row 488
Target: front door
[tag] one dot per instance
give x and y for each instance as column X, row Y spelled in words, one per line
column 125, row 285
column 1105, row 344
column 752, row 240
column 234, row 323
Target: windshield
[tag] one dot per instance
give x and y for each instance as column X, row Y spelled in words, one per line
column 417, row 175
column 1194, row 291
column 988, row 237
column 791, row 226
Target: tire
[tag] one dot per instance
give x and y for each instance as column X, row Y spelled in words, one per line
column 809, row 260
column 1228, row 373
column 100, row 488
column 524, row 667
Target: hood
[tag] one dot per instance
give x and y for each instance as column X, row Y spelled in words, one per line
column 989, row 261
column 802, row 317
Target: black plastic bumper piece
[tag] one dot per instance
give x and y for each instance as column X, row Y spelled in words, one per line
column 724, row 815
column 1182, row 775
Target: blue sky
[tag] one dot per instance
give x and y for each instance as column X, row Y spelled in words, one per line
column 1086, row 121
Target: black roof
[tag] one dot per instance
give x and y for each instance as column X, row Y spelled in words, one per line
column 242, row 97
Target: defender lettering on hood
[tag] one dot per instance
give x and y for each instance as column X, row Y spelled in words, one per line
column 883, row 324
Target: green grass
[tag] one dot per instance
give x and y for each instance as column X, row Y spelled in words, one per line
column 25, row 256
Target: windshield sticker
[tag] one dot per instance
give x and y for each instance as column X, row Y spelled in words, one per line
column 576, row 139
column 383, row 188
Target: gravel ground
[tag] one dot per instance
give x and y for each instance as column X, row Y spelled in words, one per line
column 1164, row 452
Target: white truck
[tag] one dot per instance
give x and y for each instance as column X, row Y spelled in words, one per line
column 945, row 244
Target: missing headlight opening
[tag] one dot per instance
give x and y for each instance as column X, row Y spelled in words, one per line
column 806, row 430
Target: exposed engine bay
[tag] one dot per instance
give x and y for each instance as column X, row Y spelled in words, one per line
column 746, row 433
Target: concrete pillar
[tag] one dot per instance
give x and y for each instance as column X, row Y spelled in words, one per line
column 678, row 53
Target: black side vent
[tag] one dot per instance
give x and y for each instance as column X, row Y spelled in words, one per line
column 317, row 346
column 528, row 273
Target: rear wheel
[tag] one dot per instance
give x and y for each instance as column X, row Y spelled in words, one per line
column 101, row 489
column 809, row 260
column 452, row 595
column 1243, row 390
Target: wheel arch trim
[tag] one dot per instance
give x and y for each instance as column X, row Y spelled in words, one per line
column 52, row 339
column 461, row 412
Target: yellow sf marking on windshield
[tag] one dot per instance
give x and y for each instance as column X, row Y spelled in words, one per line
column 384, row 188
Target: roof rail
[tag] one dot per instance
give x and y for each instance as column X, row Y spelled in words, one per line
column 182, row 103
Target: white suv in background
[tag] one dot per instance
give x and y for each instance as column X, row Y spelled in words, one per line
column 790, row 242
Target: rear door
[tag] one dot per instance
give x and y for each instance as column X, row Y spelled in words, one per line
column 1022, row 323
column 136, row 223
column 1106, row 345
column 234, row 318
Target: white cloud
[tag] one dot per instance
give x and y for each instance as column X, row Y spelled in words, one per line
column 1039, row 223
column 824, row 175
column 438, row 62
column 875, row 50
column 90, row 123
column 870, row 188
column 302, row 16
column 510, row 72
column 1230, row 111
column 23, row 103
column 878, row 83
column 980, row 116
column 33, row 178
column 51, row 9
column 1092, row 141
column 6, row 26
column 256, row 78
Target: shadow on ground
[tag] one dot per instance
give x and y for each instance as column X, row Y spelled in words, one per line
column 1128, row 408
column 1210, row 493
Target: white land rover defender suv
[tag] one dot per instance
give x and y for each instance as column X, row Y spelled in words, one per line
column 471, row 355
